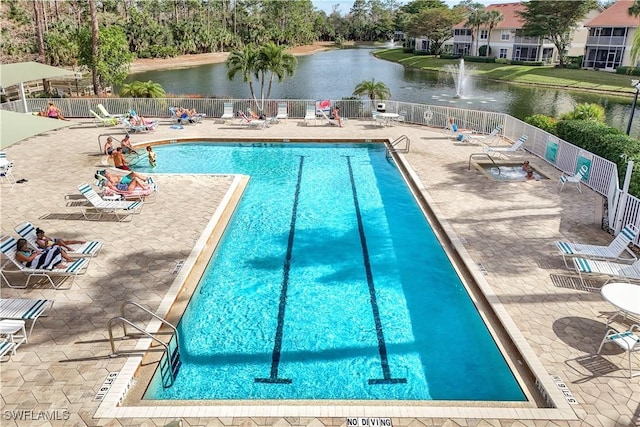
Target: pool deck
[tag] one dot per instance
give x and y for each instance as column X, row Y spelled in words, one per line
column 505, row 231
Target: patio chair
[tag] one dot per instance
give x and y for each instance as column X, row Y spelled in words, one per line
column 103, row 121
column 196, row 118
column 628, row 341
column 108, row 115
column 310, row 114
column 248, row 121
column 7, row 347
column 495, row 134
column 611, row 270
column 131, row 128
column 576, row 179
column 6, row 173
column 282, row 111
column 122, row 209
column 8, row 248
column 614, row 251
column 27, row 231
column 516, row 148
column 227, row 114
column 24, row 309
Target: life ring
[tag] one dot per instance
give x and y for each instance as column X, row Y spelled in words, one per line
column 428, row 115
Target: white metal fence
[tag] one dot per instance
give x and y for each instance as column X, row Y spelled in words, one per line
column 602, row 176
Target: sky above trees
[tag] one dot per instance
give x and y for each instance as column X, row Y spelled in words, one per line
column 345, row 5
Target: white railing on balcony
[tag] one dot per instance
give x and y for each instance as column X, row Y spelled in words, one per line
column 602, row 178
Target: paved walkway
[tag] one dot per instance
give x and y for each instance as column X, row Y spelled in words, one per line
column 508, row 230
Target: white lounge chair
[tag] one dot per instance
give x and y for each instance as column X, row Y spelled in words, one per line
column 27, row 231
column 147, row 195
column 310, row 114
column 6, row 173
column 614, row 251
column 576, row 179
column 103, row 121
column 227, row 114
column 24, row 309
column 122, row 209
column 282, row 111
column 108, row 115
column 248, row 121
column 8, row 248
column 516, row 148
column 495, row 133
column 628, row 341
column 7, row 347
column 611, row 270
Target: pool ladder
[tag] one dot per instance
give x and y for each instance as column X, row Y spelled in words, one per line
column 170, row 362
column 483, row 154
column 393, row 147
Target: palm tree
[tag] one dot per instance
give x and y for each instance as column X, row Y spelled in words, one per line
column 244, row 62
column 140, row 89
column 494, row 17
column 274, row 61
column 95, row 33
column 374, row 90
column 476, row 18
column 634, row 10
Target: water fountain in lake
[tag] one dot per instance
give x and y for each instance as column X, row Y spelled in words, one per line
column 463, row 86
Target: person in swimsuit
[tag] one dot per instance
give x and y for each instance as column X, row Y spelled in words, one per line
column 53, row 112
column 126, row 146
column 126, row 183
column 108, row 147
column 336, row 116
column 119, row 160
column 152, row 156
column 43, row 241
column 46, row 259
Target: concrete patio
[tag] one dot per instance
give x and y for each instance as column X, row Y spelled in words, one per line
column 507, row 228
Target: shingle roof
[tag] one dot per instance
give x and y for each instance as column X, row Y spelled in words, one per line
column 616, row 15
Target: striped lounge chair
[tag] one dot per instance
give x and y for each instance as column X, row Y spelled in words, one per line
column 27, row 231
column 617, row 250
column 8, row 248
column 122, row 209
column 611, row 270
column 24, row 309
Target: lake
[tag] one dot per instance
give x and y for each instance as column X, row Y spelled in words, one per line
column 334, row 74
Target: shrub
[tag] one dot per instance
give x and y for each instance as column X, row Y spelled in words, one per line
column 529, row 63
column 631, row 71
column 586, row 111
column 479, row 59
column 449, row 56
column 502, row 61
column 574, row 62
column 546, row 123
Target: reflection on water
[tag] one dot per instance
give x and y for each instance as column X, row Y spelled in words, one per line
column 334, row 75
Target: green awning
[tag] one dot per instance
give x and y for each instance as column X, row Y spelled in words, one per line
column 18, row 126
column 13, row 74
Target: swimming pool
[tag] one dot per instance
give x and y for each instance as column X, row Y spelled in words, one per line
column 328, row 284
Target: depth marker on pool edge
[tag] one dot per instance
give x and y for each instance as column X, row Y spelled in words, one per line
column 277, row 344
column 382, row 346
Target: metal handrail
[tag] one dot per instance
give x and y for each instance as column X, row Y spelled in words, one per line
column 483, row 154
column 155, row 316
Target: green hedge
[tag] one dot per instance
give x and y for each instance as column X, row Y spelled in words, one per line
column 631, row 71
column 546, row 123
column 449, row 56
column 529, row 63
column 607, row 142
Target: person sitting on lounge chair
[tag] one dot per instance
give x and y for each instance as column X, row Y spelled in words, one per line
column 128, row 182
column 43, row 241
column 336, row 116
column 46, row 259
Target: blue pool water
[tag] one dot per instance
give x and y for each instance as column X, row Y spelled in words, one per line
column 328, row 284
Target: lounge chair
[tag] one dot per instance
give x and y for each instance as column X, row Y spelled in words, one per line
column 516, row 148
column 244, row 120
column 227, row 114
column 7, row 347
column 122, row 209
column 611, row 270
column 144, row 194
column 310, row 114
column 575, row 179
column 27, row 231
column 495, row 134
column 103, row 121
column 614, row 251
column 196, row 118
column 24, row 309
column 107, row 115
column 131, row 128
column 628, row 341
column 282, row 111
column 8, row 248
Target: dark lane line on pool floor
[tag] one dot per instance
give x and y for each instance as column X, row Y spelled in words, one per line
column 382, row 346
column 277, row 344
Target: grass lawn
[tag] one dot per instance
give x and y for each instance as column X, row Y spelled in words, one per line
column 524, row 74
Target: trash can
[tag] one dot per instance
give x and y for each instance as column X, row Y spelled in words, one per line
column 381, row 108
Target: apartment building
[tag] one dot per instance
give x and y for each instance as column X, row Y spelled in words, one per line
column 610, row 36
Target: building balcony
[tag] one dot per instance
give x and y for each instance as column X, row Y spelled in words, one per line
column 606, row 40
